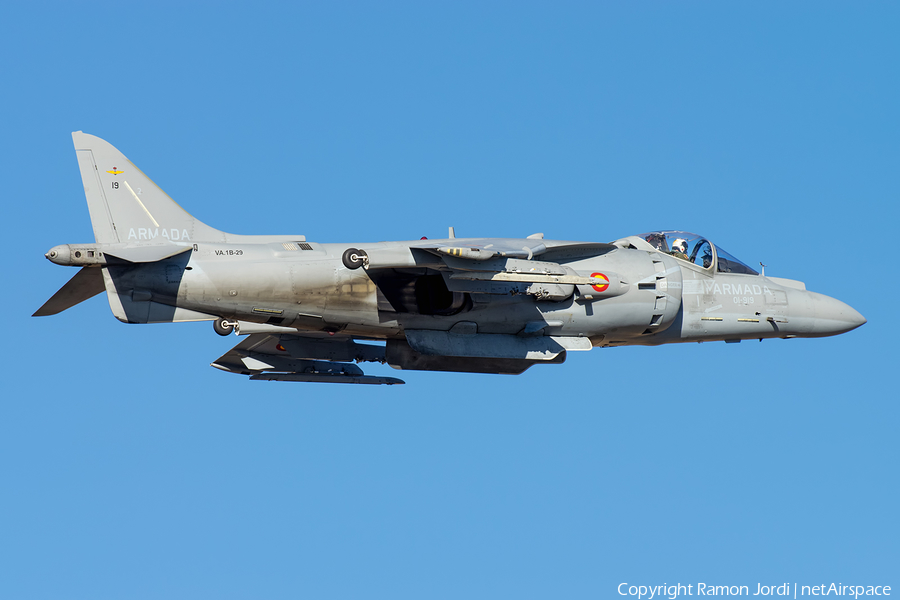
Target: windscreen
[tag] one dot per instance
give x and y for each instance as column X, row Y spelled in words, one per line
column 729, row 264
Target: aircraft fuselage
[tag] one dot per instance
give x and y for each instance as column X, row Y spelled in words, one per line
column 660, row 299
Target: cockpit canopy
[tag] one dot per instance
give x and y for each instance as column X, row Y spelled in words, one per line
column 694, row 249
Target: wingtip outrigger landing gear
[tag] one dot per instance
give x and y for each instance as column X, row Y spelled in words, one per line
column 224, row 327
column 354, row 259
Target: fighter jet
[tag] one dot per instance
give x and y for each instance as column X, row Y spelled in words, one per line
column 312, row 311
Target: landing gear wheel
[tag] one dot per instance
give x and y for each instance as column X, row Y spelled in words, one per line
column 223, row 327
column 353, row 258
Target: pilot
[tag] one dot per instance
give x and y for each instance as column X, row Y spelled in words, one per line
column 679, row 249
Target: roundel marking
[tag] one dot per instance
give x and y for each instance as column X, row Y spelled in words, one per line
column 601, row 287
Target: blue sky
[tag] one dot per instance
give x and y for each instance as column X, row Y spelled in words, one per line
column 131, row 469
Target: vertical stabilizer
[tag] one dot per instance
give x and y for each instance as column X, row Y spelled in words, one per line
column 126, row 206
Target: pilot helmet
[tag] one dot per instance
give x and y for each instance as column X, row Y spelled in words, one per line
column 680, row 245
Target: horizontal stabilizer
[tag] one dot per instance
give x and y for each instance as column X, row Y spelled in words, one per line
column 87, row 283
column 147, row 254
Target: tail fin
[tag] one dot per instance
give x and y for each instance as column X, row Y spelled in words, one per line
column 125, row 205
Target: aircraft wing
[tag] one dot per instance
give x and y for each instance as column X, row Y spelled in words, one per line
column 457, row 253
column 496, row 266
column 480, row 249
column 289, row 357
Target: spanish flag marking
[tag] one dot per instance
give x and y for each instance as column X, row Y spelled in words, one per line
column 600, row 287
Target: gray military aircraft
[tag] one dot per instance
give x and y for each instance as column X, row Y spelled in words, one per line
column 309, row 311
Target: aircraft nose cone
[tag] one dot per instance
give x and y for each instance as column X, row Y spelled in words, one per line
column 833, row 317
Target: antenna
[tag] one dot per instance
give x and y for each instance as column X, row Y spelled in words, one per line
column 763, row 269
column 451, row 234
